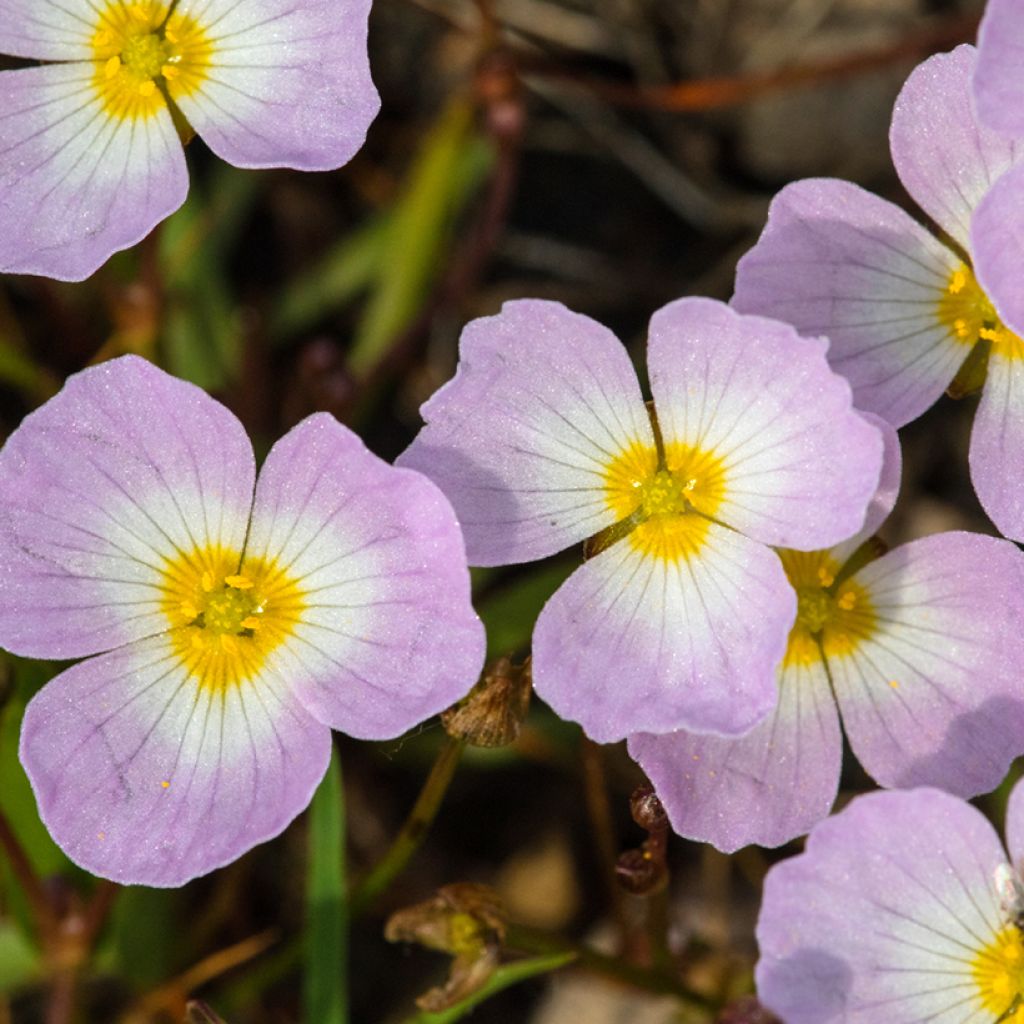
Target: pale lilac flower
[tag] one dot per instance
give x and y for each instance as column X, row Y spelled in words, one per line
column 903, row 311
column 919, row 650
column 90, row 158
column 680, row 617
column 241, row 619
column 904, row 909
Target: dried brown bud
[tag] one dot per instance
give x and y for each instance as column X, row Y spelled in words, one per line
column 647, row 809
column 638, row 872
column 491, row 714
column 465, row 920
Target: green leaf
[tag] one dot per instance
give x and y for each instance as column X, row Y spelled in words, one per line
column 20, row 963
column 502, row 978
column 449, row 168
column 348, row 268
column 326, row 978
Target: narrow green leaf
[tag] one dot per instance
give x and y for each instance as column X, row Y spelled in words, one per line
column 450, row 166
column 326, row 978
column 348, row 268
column 502, row 978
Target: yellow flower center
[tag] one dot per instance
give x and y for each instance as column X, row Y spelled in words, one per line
column 666, row 509
column 831, row 619
column 227, row 614
column 998, row 972
column 971, row 318
column 144, row 55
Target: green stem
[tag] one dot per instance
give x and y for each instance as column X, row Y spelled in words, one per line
column 415, row 829
column 503, row 977
column 531, row 940
column 326, row 977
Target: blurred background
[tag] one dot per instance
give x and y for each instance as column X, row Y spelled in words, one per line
column 610, row 154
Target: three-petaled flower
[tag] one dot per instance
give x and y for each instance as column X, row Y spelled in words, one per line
column 234, row 621
column 904, row 908
column 90, row 158
column 905, row 313
column 920, row 650
column 680, row 616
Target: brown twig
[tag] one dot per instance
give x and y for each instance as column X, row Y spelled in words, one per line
column 724, row 91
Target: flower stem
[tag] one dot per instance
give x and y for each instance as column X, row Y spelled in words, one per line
column 415, row 829
column 42, row 909
column 537, row 942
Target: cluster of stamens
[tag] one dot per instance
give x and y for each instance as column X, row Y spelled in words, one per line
column 227, row 609
column 142, row 50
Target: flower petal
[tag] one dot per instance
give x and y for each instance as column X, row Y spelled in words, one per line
column 946, row 160
column 1015, row 825
column 288, row 82
column 47, row 29
column 77, row 183
column 999, row 74
column 146, row 777
column 522, row 439
column 837, row 261
column 125, row 469
column 387, row 636
column 633, row 642
column 997, row 442
column 799, row 464
column 885, row 496
column 767, row 787
column 932, row 695
column 883, row 916
column 997, row 239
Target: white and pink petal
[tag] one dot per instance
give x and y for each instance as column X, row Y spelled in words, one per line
column 387, row 636
column 287, row 83
column 997, row 440
column 933, row 696
column 837, row 261
column 997, row 242
column 47, row 29
column 122, row 473
column 946, row 159
column 799, row 465
column 883, row 917
column 145, row 776
column 522, row 439
column 766, row 787
column 76, row 182
column 635, row 642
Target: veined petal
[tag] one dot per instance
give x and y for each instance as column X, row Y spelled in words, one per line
column 76, row 182
column 930, row 693
column 385, row 635
column 946, row 160
column 637, row 641
column 145, row 776
column 997, row 441
column 837, row 261
column 999, row 74
column 885, row 496
column 766, row 787
column 997, row 240
column 125, row 473
column 47, row 29
column 886, row 917
column 526, row 438
column 287, row 83
column 797, row 464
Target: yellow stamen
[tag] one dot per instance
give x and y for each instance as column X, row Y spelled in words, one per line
column 239, row 582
